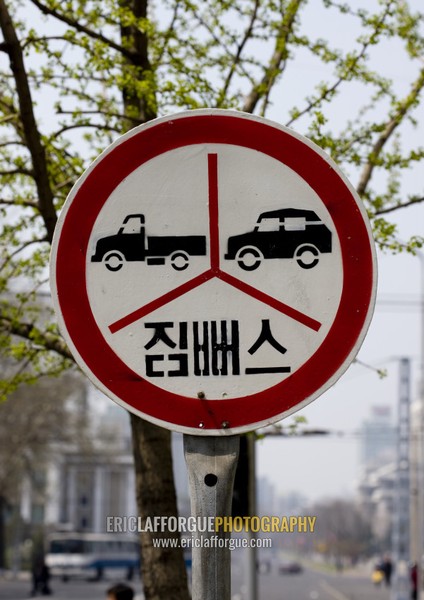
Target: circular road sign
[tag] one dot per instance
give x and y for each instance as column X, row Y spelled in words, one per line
column 213, row 272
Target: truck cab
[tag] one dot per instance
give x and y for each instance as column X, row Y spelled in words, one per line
column 128, row 244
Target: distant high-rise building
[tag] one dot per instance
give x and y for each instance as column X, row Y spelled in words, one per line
column 378, row 437
column 265, row 497
column 378, row 447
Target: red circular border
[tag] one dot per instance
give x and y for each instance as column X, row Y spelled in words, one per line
column 139, row 394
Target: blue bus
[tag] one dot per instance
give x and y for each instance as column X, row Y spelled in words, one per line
column 92, row 554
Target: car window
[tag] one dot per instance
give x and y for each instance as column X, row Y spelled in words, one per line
column 295, row 223
column 132, row 226
column 268, row 225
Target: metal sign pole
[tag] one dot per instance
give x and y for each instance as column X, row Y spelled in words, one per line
column 211, row 465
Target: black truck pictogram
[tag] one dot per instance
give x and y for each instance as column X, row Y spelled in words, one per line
column 132, row 244
column 285, row 233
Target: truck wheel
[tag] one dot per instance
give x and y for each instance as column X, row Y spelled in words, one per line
column 114, row 260
column 307, row 256
column 249, row 258
column 179, row 260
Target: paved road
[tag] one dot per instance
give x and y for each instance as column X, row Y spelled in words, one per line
column 310, row 585
column 72, row 590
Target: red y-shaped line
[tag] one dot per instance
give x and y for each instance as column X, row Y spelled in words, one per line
column 213, row 211
column 214, row 271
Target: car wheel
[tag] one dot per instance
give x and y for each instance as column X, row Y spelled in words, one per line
column 307, row 256
column 249, row 258
column 114, row 260
column 179, row 260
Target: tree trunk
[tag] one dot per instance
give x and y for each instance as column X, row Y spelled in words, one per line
column 162, row 569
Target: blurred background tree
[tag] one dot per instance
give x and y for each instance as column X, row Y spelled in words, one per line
column 343, row 532
column 32, row 420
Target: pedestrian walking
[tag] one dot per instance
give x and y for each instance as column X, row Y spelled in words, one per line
column 40, row 578
column 387, row 569
column 414, row 582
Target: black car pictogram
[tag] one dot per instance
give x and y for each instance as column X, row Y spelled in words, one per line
column 132, row 244
column 285, row 233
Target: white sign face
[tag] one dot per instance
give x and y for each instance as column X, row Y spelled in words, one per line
column 274, row 235
column 222, row 268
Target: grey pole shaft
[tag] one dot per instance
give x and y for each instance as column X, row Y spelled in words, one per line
column 211, row 464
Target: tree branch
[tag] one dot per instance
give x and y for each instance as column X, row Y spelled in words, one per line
column 345, row 74
column 402, row 109
column 12, row 143
column 219, row 41
column 11, row 116
column 17, row 172
column 82, row 29
column 32, row 135
column 167, row 35
column 278, row 58
column 45, row 38
column 240, row 48
column 26, row 203
column 384, row 211
column 58, row 133
column 99, row 112
column 24, row 245
column 29, row 331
